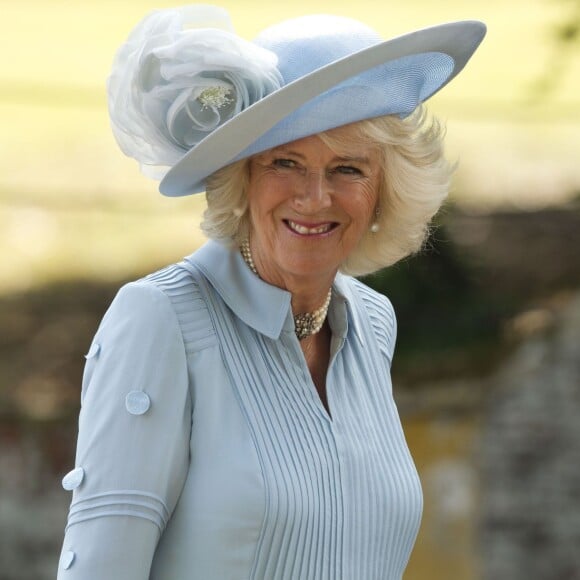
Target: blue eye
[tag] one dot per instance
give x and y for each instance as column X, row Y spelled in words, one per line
column 284, row 163
column 348, row 170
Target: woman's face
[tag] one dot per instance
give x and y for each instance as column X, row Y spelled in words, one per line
column 309, row 206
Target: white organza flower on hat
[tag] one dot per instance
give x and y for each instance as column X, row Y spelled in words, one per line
column 180, row 74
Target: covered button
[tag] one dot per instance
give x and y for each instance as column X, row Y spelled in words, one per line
column 73, row 478
column 137, row 402
column 67, row 559
column 93, row 351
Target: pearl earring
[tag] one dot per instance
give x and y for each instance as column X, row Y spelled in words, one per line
column 375, row 226
column 238, row 212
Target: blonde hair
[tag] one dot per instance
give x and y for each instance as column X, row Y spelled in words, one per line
column 415, row 182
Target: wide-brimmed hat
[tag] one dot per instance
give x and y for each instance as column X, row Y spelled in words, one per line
column 297, row 78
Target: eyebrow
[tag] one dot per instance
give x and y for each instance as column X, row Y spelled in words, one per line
column 354, row 159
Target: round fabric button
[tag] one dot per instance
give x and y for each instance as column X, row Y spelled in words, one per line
column 137, row 402
column 93, row 351
column 73, row 478
column 67, row 559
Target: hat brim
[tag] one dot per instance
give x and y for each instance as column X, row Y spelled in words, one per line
column 223, row 146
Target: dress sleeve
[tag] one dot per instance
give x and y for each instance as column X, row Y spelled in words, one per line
column 133, row 444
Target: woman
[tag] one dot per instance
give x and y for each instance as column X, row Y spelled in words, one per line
column 237, row 418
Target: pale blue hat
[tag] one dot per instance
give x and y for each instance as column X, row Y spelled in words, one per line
column 334, row 71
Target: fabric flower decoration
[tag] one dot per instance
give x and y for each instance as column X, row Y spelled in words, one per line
column 180, row 74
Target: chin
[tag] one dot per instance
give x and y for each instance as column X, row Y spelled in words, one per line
column 311, row 265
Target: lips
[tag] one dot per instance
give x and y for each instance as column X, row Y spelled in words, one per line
column 311, row 230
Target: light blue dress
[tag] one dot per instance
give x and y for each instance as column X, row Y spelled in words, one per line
column 205, row 453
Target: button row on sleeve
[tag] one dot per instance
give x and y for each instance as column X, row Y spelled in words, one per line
column 93, row 351
column 67, row 559
column 137, row 402
column 73, row 478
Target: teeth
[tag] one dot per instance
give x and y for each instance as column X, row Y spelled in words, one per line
column 300, row 229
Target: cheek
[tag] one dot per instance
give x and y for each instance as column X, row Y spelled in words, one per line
column 263, row 200
column 258, row 198
column 266, row 193
column 363, row 207
column 371, row 202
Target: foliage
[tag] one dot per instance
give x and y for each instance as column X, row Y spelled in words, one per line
column 448, row 322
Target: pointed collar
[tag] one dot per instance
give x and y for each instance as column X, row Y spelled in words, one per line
column 263, row 307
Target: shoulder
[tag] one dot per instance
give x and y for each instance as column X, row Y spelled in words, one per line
column 152, row 296
column 163, row 302
column 377, row 305
column 372, row 298
column 379, row 311
column 140, row 318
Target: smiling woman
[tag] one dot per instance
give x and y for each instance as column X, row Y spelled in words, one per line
column 237, row 413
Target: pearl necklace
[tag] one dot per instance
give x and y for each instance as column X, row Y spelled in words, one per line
column 305, row 324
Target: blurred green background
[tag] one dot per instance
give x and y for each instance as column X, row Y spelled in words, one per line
column 77, row 219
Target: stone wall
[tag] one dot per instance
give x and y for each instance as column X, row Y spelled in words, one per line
column 33, row 506
column 530, row 513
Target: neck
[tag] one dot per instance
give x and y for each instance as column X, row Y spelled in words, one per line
column 309, row 291
column 306, row 322
column 306, row 297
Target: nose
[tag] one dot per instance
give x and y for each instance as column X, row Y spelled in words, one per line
column 313, row 193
